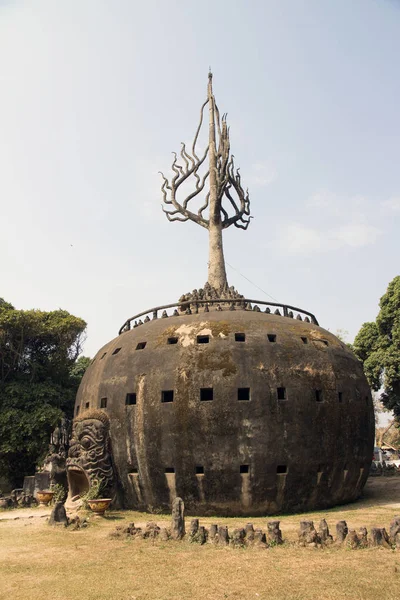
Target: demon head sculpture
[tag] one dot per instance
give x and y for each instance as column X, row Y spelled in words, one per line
column 89, row 457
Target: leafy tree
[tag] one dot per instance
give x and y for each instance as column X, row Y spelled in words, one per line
column 377, row 344
column 39, row 375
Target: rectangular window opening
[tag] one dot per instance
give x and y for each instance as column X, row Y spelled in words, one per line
column 103, row 403
column 172, row 340
column 77, row 410
column 340, row 396
column 87, row 405
column 244, row 468
column 167, row 396
column 199, row 470
column 170, row 469
column 116, row 350
column 304, row 340
column 318, row 396
column 206, row 394
column 243, row 394
column 103, row 356
column 271, row 337
column 281, row 393
column 141, row 345
column 130, row 399
column 203, row 339
column 240, row 337
column 133, row 471
column 281, row 469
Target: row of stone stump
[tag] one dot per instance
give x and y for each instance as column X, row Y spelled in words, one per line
column 308, row 535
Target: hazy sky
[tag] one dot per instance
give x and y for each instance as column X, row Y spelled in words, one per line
column 94, row 96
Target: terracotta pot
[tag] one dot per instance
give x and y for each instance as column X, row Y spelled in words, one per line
column 44, row 497
column 99, row 506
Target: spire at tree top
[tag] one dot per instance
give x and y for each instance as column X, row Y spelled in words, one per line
column 224, row 183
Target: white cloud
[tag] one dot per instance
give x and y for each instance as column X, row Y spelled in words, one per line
column 262, row 174
column 393, row 204
column 355, row 235
column 298, row 239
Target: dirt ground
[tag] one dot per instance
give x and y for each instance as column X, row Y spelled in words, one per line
column 39, row 561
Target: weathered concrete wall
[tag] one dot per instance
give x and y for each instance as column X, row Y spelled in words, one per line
column 311, row 449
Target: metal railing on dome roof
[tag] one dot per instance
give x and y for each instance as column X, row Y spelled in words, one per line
column 192, row 307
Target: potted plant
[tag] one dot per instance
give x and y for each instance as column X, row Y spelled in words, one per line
column 44, row 497
column 93, row 500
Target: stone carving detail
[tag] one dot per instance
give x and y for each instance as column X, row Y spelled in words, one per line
column 178, row 519
column 54, row 463
column 208, row 293
column 89, row 456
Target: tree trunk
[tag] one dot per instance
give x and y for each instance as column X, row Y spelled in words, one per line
column 216, row 263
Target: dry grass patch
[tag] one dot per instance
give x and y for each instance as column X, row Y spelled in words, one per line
column 58, row 564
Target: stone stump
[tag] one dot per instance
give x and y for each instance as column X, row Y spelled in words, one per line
column 352, row 540
column 274, row 533
column 194, row 527
column 213, row 533
column 178, row 519
column 238, row 537
column 249, row 530
column 323, row 532
column 58, row 515
column 362, row 537
column 379, row 537
column 223, row 535
column 341, row 531
column 308, row 535
column 394, row 530
column 200, row 537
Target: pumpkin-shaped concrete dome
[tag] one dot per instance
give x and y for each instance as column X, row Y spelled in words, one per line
column 237, row 412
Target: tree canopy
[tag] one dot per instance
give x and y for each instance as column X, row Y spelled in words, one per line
column 39, row 376
column 377, row 344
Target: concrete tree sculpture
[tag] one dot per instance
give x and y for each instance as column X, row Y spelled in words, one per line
column 225, row 189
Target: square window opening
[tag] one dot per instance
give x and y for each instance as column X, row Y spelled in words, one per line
column 304, row 340
column 103, row 403
column 170, row 469
column 167, row 396
column 281, row 469
column 318, row 396
column 271, row 337
column 203, row 339
column 141, row 345
column 340, row 396
column 199, row 470
column 243, row 394
column 206, row 394
column 116, row 351
column 240, row 337
column 172, row 340
column 281, row 393
column 130, row 399
column 244, row 468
